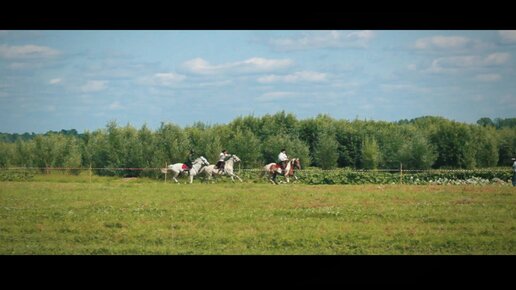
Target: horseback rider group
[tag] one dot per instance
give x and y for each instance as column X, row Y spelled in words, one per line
column 282, row 160
column 220, row 164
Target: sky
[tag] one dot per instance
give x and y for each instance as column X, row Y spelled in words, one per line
column 83, row 79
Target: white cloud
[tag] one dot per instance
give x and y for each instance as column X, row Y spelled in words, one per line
column 275, row 96
column 215, row 83
column 363, row 35
column 405, row 88
column 197, row 65
column 162, row 79
column 497, row 58
column 252, row 65
column 167, row 79
column 94, row 86
column 456, row 63
column 115, row 106
column 29, row 51
column 55, row 81
column 302, row 76
column 324, row 39
column 488, row 77
column 507, row 36
column 442, row 42
column 412, row 66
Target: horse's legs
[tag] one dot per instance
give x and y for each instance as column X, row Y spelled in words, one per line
column 238, row 177
column 174, row 177
column 269, row 176
column 273, row 178
column 213, row 176
column 234, row 175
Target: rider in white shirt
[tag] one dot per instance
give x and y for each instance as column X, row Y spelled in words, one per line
column 222, row 160
column 283, row 159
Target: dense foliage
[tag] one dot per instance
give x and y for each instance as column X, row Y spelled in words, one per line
column 421, row 143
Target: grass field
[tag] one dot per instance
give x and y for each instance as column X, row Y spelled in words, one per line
column 61, row 214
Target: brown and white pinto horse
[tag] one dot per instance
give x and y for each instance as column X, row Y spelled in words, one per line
column 273, row 169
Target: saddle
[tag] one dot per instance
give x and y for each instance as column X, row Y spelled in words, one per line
column 185, row 167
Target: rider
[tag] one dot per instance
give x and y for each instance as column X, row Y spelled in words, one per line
column 283, row 159
column 190, row 159
column 222, row 160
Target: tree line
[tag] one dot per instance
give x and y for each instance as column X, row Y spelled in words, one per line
column 324, row 142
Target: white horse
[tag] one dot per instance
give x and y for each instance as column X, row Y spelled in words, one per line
column 228, row 169
column 179, row 168
column 273, row 169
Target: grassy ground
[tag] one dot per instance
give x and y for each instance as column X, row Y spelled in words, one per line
column 59, row 214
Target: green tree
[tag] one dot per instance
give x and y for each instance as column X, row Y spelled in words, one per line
column 246, row 146
column 124, row 150
column 294, row 146
column 455, row 145
column 310, row 131
column 417, row 153
column 350, row 144
column 48, row 150
column 6, row 152
column 486, row 143
column 173, row 143
column 371, row 155
column 72, row 156
column 95, row 151
column 507, row 146
column 24, row 153
column 326, row 154
column 485, row 122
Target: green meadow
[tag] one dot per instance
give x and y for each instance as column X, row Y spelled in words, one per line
column 64, row 214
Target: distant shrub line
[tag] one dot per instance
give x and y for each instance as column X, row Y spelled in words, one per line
column 337, row 176
column 323, row 142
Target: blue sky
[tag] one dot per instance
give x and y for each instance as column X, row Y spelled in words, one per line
column 80, row 79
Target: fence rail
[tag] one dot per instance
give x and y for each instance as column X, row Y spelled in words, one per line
column 306, row 176
column 259, row 169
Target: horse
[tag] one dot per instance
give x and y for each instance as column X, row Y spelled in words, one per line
column 274, row 169
column 228, row 169
column 179, row 168
column 294, row 163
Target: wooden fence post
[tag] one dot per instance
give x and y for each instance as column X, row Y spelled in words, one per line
column 401, row 173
